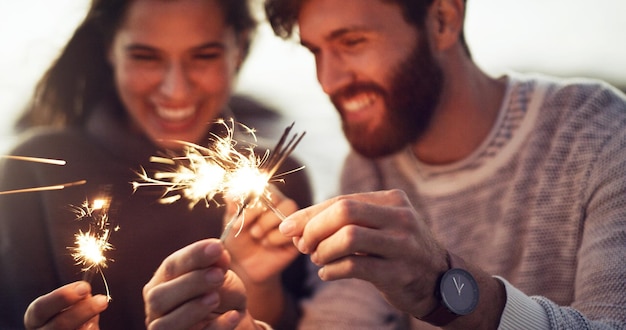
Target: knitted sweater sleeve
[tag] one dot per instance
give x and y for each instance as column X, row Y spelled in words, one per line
column 600, row 291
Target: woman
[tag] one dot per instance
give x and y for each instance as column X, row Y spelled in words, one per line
column 135, row 76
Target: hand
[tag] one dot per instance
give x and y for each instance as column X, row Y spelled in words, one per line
column 193, row 289
column 69, row 307
column 377, row 237
column 259, row 251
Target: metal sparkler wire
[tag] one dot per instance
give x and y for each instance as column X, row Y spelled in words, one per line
column 43, row 188
column 35, row 159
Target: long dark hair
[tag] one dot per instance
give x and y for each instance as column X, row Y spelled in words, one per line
column 81, row 76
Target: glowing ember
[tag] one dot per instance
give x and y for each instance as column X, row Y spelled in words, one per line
column 224, row 167
column 90, row 246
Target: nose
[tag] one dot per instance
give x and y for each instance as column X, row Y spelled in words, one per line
column 333, row 72
column 175, row 84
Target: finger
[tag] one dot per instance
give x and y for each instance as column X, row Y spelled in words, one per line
column 276, row 239
column 373, row 210
column 325, row 223
column 45, row 307
column 353, row 266
column 294, row 224
column 92, row 324
column 272, row 217
column 199, row 255
column 80, row 315
column 167, row 296
column 359, row 240
column 232, row 294
column 226, row 321
column 185, row 316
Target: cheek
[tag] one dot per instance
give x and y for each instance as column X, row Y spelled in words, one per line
column 132, row 80
column 216, row 80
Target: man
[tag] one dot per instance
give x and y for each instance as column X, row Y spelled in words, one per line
column 497, row 203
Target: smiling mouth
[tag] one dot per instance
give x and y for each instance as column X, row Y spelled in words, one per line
column 175, row 114
column 359, row 102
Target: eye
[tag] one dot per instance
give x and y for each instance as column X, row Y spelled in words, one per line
column 144, row 56
column 207, row 56
column 352, row 41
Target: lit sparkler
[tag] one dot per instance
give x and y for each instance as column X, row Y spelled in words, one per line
column 90, row 246
column 225, row 168
column 43, row 188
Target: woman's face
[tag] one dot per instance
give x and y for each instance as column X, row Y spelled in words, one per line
column 174, row 64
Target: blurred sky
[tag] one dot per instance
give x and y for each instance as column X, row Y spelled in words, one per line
column 561, row 37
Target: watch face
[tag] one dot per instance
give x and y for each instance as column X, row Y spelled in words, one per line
column 459, row 291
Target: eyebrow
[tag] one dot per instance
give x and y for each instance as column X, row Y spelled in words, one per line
column 339, row 33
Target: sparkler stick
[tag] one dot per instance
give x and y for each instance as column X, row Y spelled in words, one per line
column 44, row 188
column 37, row 160
column 236, row 173
column 90, row 246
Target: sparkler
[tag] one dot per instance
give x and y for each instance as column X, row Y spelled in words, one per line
column 225, row 168
column 43, row 188
column 36, row 159
column 90, row 246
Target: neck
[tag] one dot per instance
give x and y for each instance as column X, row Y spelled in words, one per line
column 467, row 111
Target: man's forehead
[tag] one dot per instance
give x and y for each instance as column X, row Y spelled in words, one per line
column 327, row 18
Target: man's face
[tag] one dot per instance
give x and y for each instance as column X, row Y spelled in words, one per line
column 377, row 69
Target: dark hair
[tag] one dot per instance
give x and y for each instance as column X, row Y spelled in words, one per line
column 283, row 15
column 81, row 76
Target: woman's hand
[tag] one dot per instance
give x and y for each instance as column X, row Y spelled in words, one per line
column 194, row 289
column 69, row 307
column 259, row 251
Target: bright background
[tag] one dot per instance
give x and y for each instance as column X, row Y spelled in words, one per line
column 560, row 37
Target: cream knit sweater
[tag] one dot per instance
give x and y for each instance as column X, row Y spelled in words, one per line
column 541, row 204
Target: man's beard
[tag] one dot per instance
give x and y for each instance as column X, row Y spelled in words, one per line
column 410, row 103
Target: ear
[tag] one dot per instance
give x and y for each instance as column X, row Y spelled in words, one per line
column 447, row 18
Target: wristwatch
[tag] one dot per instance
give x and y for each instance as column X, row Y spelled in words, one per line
column 457, row 292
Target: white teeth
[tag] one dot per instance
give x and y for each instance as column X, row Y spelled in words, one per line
column 175, row 114
column 359, row 102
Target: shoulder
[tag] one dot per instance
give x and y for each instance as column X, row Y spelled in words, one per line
column 575, row 109
column 576, row 94
column 43, row 142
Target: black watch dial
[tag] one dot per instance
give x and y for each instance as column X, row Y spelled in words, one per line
column 459, row 291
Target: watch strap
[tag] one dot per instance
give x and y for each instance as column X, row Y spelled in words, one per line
column 441, row 315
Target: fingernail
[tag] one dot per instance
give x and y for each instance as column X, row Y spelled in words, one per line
column 214, row 275
column 211, row 299
column 213, row 249
column 287, row 227
column 101, row 300
column 322, row 274
column 81, row 289
column 234, row 317
column 301, row 245
column 256, row 232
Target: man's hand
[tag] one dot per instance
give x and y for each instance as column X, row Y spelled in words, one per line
column 377, row 237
